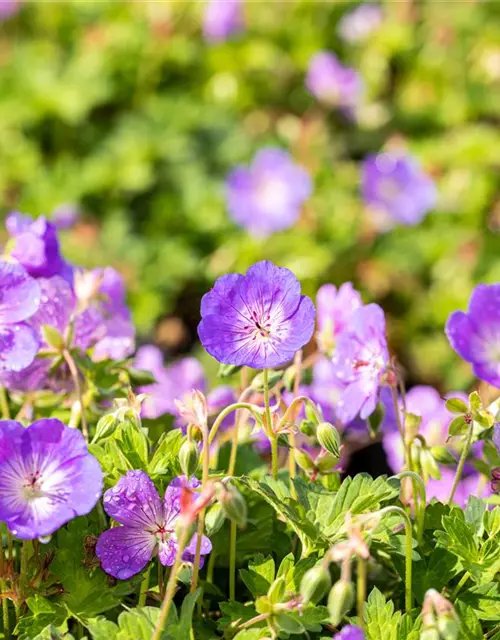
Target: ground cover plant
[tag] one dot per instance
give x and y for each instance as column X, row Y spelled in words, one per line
column 298, row 185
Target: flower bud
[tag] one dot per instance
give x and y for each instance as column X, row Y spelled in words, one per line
column 495, row 479
column 214, row 519
column 307, row 428
column 273, row 377
column 448, row 627
column 303, row 459
column 228, row 370
column 233, row 504
column 327, row 463
column 329, row 438
column 189, row 458
column 315, row 584
column 105, row 427
column 340, row 601
column 430, row 634
column 193, row 408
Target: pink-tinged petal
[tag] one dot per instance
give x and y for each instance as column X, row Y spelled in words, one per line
column 125, row 551
column 17, row 223
column 463, row 337
column 423, row 400
column 19, row 344
column 19, row 293
column 150, row 358
column 134, row 501
column 368, row 322
column 167, row 551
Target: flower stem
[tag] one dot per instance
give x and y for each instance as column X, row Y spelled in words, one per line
column 408, row 551
column 461, row 462
column 26, row 549
column 274, row 456
column 225, row 412
column 211, row 567
column 419, row 508
column 169, row 593
column 3, row 594
column 144, row 587
column 232, row 560
column 245, row 393
column 73, row 369
column 273, row 439
column 460, row 584
column 291, row 452
column 201, row 518
column 161, row 590
column 361, row 590
column 4, row 404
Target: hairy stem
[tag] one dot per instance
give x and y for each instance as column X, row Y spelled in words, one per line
column 361, row 590
column 201, row 519
column 170, row 591
column 144, row 588
column 75, row 375
column 461, row 462
column 408, row 551
column 3, row 589
column 232, row 560
column 419, row 508
column 291, row 452
column 273, row 439
column 225, row 412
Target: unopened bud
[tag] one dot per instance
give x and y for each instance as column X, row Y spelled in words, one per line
column 303, row 459
column 233, row 504
column 105, row 427
column 327, row 463
column 307, row 428
column 315, row 584
column 449, row 627
column 214, row 519
column 273, row 377
column 430, row 634
column 228, row 370
column 340, row 601
column 495, row 479
column 428, row 464
column 193, row 408
column 189, row 458
column 329, row 438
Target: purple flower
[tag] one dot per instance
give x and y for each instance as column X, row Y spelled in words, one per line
column 475, row 335
column 267, row 196
column 332, row 83
column 148, row 525
column 360, row 23
column 361, row 358
column 172, row 383
column 351, row 632
column 222, row 19
column 47, row 477
column 8, row 8
column 396, row 188
column 217, row 400
column 257, row 320
column 36, row 246
column 65, row 216
column 335, row 308
column 19, row 300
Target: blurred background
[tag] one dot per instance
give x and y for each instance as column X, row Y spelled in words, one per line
column 123, row 120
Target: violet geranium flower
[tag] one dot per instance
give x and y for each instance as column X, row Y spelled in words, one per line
column 361, row 358
column 332, row 83
column 475, row 335
column 396, row 189
column 222, row 19
column 351, row 632
column 335, row 308
column 257, row 320
column 19, row 300
column 267, row 196
column 47, row 477
column 34, row 243
column 148, row 525
column 360, row 23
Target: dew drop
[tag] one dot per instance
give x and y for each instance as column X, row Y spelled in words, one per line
column 125, row 558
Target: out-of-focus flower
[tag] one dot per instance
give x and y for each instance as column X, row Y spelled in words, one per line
column 471, row 484
column 332, row 83
column 19, row 300
column 47, row 477
column 267, row 196
column 220, row 398
column 222, row 19
column 351, row 632
column 475, row 335
column 335, row 308
column 8, row 8
column 396, row 189
column 65, row 216
column 148, row 525
column 361, row 358
column 257, row 320
column 360, row 23
column 193, row 408
column 34, row 243
column 173, row 382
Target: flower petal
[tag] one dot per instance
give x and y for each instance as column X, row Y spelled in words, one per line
column 461, row 333
column 125, row 551
column 134, row 501
column 19, row 293
column 19, row 344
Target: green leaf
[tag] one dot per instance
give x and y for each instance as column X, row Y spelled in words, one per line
column 287, row 623
column 263, row 566
column 470, row 627
column 140, row 623
column 442, row 455
column 484, row 599
column 259, row 576
column 183, row 631
column 381, row 622
column 458, row 426
column 252, row 634
column 42, row 614
column 475, row 401
column 474, row 513
column 456, row 405
column 165, row 457
column 140, row 377
column 234, row 612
